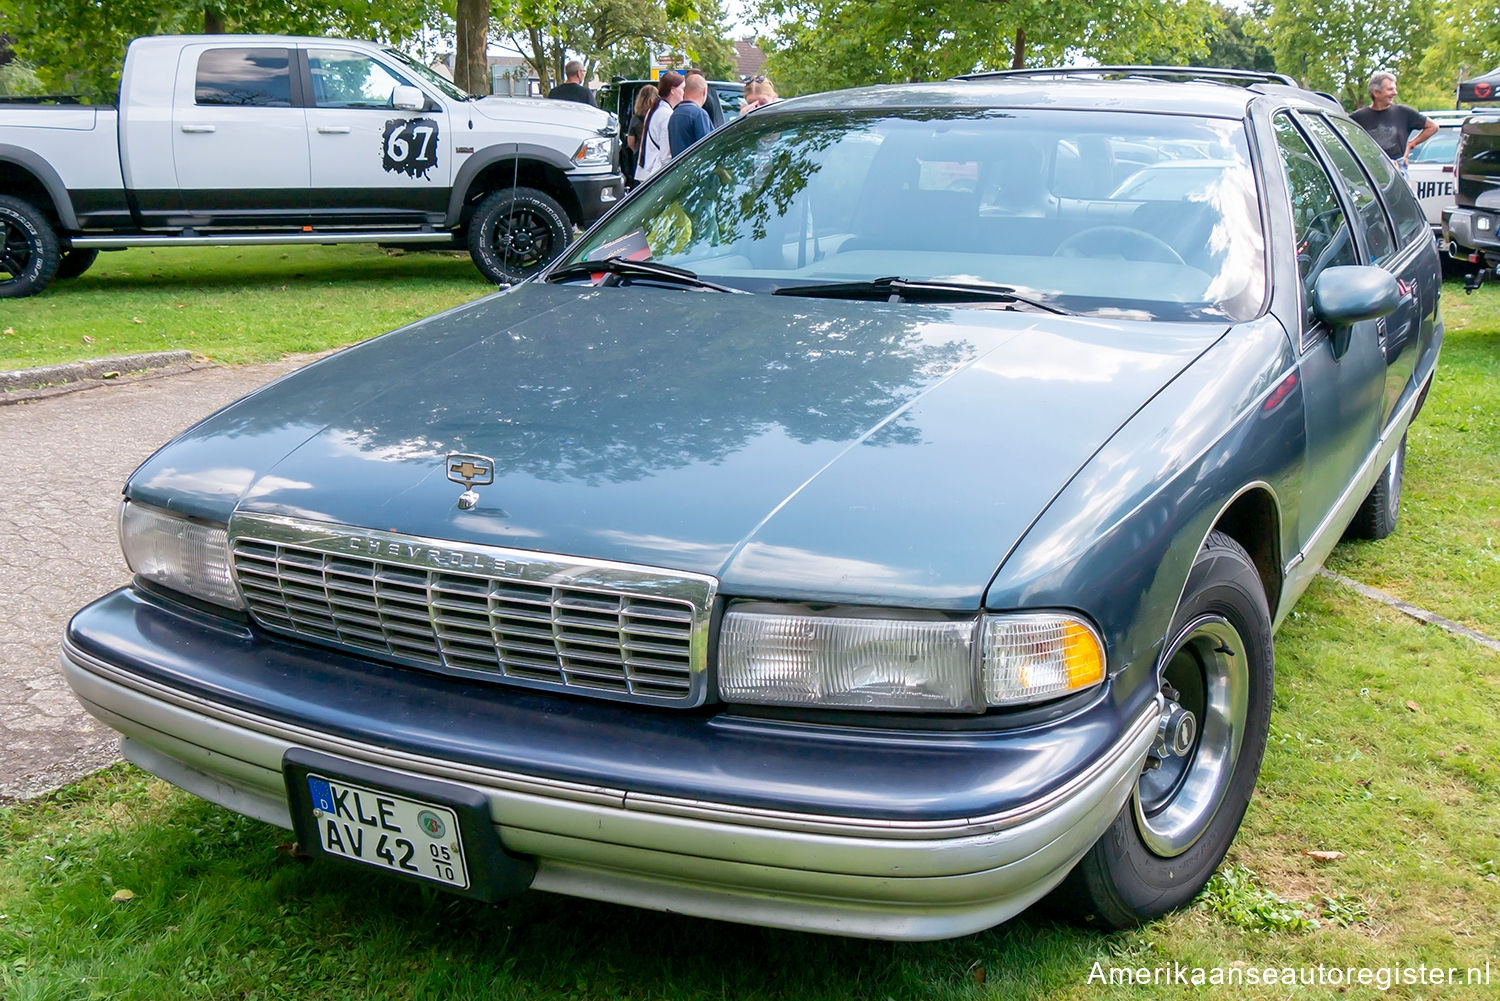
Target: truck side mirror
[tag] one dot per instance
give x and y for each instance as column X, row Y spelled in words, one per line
column 407, row 99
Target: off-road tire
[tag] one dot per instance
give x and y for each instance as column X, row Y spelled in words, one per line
column 29, row 251
column 1377, row 514
column 516, row 232
column 76, row 262
column 1123, row 881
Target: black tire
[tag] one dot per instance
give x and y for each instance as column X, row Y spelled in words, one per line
column 76, row 262
column 1377, row 514
column 29, row 251
column 516, row 232
column 1173, row 833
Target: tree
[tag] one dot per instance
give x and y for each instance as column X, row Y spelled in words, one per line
column 78, row 46
column 470, row 67
column 1334, row 45
column 1240, row 41
column 548, row 32
column 823, row 44
column 1465, row 43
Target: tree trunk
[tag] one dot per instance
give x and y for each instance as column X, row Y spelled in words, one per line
column 1018, row 52
column 470, row 67
column 213, row 21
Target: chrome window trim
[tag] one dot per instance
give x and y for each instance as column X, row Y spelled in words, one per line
column 419, row 553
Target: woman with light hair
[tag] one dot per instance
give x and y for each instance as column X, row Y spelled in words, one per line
column 759, row 92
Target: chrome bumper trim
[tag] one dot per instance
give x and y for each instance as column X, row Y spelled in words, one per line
column 839, row 875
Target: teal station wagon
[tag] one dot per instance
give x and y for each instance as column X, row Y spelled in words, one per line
column 878, row 521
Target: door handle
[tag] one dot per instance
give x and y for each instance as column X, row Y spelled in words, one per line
column 197, row 128
column 334, row 130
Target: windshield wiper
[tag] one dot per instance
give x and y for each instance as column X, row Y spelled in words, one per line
column 917, row 290
column 624, row 267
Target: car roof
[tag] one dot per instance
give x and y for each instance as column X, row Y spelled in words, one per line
column 1212, row 100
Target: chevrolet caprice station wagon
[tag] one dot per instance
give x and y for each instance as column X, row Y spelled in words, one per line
column 878, row 521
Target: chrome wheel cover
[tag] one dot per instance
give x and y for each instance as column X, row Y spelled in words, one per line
column 1175, row 803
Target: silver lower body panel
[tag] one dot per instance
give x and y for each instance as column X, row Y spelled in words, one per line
column 824, row 874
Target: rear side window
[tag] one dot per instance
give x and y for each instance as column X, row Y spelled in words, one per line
column 245, row 78
column 1368, row 215
column 1406, row 211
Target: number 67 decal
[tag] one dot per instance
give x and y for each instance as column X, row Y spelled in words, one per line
column 410, row 146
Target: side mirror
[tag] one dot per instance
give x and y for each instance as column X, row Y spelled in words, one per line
column 407, row 99
column 1343, row 296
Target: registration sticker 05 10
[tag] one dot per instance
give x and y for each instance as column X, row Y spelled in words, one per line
column 388, row 831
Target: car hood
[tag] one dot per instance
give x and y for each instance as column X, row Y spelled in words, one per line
column 795, row 448
column 540, row 110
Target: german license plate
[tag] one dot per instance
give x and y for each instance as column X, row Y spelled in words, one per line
column 388, row 831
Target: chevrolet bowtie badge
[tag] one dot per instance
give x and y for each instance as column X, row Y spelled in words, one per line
column 471, row 471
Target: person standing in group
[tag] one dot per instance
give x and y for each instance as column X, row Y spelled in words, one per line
column 759, row 92
column 572, row 89
column 711, row 106
column 645, row 100
column 655, row 144
column 689, row 121
column 1390, row 124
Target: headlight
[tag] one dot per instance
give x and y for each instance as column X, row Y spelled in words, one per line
column 593, row 152
column 187, row 556
column 916, row 663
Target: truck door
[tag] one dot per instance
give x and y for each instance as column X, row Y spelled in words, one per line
column 373, row 164
column 239, row 140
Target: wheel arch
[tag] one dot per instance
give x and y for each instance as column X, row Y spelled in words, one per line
column 515, row 167
column 25, row 174
column 1253, row 519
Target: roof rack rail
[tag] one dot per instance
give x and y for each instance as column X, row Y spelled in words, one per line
column 1165, row 72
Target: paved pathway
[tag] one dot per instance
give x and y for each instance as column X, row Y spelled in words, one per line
column 62, row 461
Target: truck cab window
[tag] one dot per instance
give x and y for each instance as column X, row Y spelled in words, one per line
column 343, row 79
column 242, row 78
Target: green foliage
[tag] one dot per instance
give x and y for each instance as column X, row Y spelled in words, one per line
column 17, row 78
column 1239, row 40
column 824, row 44
column 609, row 34
column 1465, row 43
column 1233, row 896
column 79, row 47
column 1334, row 45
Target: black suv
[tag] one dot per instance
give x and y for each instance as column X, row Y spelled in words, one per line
column 1472, row 225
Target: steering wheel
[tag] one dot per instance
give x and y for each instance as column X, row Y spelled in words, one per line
column 1123, row 242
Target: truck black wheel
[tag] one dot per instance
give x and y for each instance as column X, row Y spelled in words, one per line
column 76, row 262
column 517, row 232
column 29, row 251
column 1376, row 517
column 1186, row 808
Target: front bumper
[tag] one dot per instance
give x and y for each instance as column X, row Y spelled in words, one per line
column 596, row 194
column 213, row 708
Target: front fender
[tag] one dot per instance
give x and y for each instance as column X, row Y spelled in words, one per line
column 1119, row 540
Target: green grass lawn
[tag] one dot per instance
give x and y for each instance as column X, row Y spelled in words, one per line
column 232, row 304
column 1385, row 747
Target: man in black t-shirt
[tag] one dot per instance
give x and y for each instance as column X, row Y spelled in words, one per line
column 1390, row 124
column 573, row 89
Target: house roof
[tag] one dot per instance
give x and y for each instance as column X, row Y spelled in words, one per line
column 749, row 60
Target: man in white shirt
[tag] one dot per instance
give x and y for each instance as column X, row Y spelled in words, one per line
column 655, row 145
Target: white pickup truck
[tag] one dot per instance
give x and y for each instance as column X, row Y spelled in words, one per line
column 253, row 139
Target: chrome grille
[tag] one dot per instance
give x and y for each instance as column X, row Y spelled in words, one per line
column 608, row 630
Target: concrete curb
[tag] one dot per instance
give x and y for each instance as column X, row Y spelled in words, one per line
column 95, row 368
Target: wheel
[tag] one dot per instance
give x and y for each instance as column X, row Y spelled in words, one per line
column 1216, row 675
column 1376, row 517
column 517, row 232
column 29, row 251
column 1125, row 242
column 76, row 262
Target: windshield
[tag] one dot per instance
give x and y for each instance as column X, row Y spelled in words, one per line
column 1104, row 213
column 429, row 75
